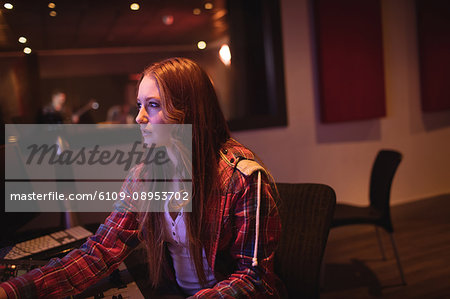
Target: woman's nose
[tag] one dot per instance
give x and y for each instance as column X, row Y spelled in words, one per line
column 142, row 117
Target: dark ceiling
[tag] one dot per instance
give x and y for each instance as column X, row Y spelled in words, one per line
column 109, row 23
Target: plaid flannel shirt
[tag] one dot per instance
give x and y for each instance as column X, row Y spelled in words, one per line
column 114, row 240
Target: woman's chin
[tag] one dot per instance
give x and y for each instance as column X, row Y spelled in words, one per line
column 152, row 143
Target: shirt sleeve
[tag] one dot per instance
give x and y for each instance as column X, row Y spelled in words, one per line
column 95, row 259
column 79, row 269
column 250, row 281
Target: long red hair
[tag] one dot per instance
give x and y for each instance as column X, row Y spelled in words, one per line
column 188, row 97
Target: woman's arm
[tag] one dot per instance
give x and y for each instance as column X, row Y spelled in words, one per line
column 96, row 258
column 85, row 266
column 250, row 281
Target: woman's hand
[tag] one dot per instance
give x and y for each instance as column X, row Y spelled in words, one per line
column 3, row 294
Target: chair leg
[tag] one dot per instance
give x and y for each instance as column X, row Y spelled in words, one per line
column 400, row 269
column 380, row 243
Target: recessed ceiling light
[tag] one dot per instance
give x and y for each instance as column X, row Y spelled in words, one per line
column 51, row 5
column 53, row 13
column 27, row 50
column 8, row 5
column 22, row 40
column 196, row 11
column 134, row 6
column 201, row 45
column 208, row 5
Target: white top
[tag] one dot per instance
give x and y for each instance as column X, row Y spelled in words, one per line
column 178, row 244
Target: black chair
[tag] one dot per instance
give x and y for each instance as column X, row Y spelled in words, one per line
column 306, row 212
column 378, row 212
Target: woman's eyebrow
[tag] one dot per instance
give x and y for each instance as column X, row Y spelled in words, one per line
column 152, row 98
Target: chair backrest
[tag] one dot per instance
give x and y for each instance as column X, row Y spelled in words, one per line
column 306, row 212
column 383, row 171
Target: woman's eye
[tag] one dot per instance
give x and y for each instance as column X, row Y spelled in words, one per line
column 139, row 105
column 153, row 104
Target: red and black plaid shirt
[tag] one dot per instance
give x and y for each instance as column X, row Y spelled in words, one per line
column 115, row 239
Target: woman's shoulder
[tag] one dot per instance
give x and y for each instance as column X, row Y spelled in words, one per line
column 241, row 171
column 235, row 157
column 233, row 151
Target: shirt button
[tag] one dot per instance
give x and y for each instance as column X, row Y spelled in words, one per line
column 225, row 151
column 173, row 233
column 232, row 160
column 173, row 223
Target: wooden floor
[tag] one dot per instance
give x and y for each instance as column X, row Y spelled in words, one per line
column 354, row 267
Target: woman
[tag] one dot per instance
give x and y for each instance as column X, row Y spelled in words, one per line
column 224, row 248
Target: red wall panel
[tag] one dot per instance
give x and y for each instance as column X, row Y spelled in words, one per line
column 350, row 59
column 433, row 26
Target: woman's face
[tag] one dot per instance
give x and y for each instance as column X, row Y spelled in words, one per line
column 150, row 112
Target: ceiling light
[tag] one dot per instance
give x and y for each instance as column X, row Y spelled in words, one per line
column 22, row 40
column 51, row 5
column 53, row 13
column 201, row 45
column 208, row 5
column 134, row 6
column 196, row 11
column 225, row 54
column 167, row 20
column 8, row 5
column 27, row 50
